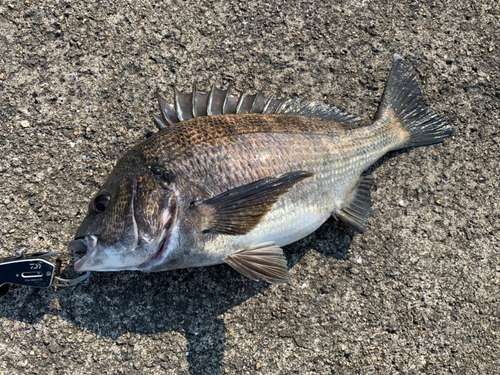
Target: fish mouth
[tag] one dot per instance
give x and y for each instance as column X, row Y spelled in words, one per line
column 77, row 245
column 82, row 245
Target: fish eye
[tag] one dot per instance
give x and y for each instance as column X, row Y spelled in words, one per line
column 101, row 203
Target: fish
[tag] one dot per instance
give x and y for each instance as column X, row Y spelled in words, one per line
column 232, row 179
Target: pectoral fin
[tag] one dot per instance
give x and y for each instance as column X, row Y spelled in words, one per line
column 238, row 211
column 262, row 262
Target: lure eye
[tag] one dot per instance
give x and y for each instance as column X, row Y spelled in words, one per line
column 101, row 203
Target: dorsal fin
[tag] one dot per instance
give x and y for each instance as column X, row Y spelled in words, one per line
column 222, row 102
column 199, row 103
column 216, row 100
column 167, row 110
column 183, row 105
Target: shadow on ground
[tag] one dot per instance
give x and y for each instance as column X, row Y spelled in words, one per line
column 189, row 302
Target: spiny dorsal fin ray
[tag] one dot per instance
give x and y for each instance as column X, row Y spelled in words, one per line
column 167, row 110
column 358, row 210
column 222, row 102
column 259, row 103
column 245, row 104
column 271, row 105
column 183, row 105
column 216, row 100
column 199, row 103
column 160, row 122
column 261, row 262
column 230, row 104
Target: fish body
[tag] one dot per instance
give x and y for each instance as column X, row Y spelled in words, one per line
column 256, row 146
column 232, row 180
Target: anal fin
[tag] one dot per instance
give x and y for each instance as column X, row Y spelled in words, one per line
column 261, row 262
column 359, row 208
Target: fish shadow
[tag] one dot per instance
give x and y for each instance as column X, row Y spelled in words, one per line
column 188, row 302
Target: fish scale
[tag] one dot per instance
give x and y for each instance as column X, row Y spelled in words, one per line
column 287, row 152
column 337, row 165
column 231, row 179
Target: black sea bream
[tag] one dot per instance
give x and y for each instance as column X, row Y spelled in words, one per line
column 232, row 179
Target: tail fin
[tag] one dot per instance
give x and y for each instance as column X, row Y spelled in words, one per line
column 403, row 99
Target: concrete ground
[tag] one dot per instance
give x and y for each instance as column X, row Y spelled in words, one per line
column 418, row 293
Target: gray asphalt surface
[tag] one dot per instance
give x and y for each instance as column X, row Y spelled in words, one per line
column 418, row 293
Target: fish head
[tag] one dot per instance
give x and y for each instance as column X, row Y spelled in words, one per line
column 131, row 223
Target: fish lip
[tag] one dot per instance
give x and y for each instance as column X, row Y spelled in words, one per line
column 79, row 264
column 89, row 242
column 77, row 245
